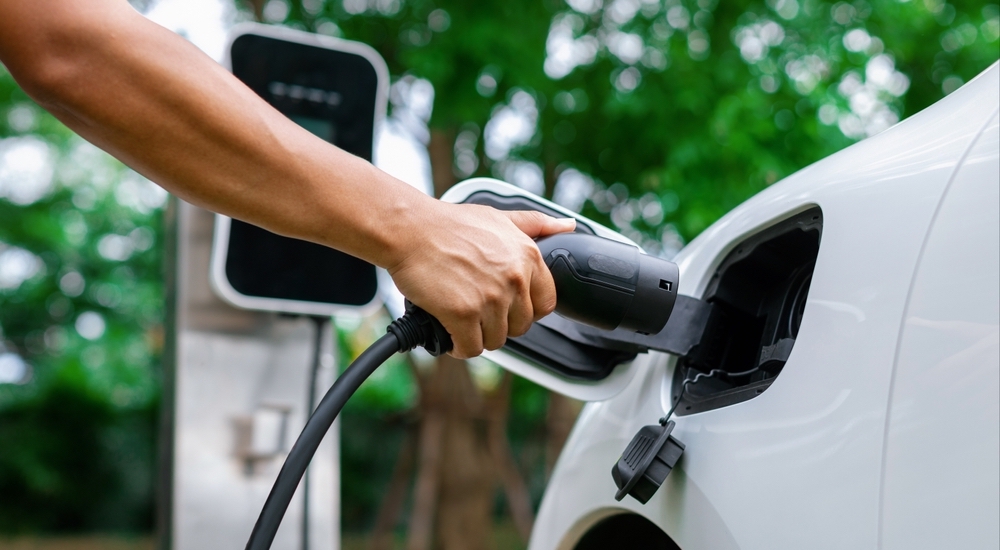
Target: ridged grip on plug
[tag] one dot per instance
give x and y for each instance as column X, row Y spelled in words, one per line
column 418, row 328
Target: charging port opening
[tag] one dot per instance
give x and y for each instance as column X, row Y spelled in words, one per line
column 759, row 295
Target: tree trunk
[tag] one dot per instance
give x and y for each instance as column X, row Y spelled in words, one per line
column 515, row 489
column 467, row 479
column 441, row 151
column 549, row 175
column 425, row 489
column 395, row 495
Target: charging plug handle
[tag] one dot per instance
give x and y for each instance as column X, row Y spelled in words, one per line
column 608, row 284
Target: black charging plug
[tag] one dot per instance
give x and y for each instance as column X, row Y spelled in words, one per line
column 607, row 284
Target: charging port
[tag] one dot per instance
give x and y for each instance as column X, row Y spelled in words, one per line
column 758, row 295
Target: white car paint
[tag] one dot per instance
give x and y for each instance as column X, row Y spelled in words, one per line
column 942, row 473
column 883, row 429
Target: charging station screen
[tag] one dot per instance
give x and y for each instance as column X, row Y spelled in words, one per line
column 333, row 95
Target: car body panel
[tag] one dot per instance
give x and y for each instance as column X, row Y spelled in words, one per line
column 800, row 465
column 941, row 486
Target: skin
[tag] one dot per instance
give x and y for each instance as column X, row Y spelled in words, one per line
column 126, row 84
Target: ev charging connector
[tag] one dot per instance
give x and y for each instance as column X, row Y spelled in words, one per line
column 609, row 285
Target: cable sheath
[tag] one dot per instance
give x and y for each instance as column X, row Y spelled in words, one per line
column 316, row 427
column 318, row 323
column 695, row 380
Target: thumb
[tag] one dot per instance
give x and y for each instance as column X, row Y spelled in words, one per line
column 535, row 224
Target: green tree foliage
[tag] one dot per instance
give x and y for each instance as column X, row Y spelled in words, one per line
column 691, row 105
column 80, row 325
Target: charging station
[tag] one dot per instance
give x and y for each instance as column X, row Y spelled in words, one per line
column 246, row 349
column 338, row 91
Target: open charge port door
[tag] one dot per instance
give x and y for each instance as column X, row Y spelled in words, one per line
column 758, row 296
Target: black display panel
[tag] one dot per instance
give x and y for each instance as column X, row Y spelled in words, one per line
column 333, row 94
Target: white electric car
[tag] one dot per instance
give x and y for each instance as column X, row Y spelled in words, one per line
column 865, row 291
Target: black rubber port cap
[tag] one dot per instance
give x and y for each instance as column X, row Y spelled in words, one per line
column 646, row 462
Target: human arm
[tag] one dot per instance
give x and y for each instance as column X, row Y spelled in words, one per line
column 125, row 84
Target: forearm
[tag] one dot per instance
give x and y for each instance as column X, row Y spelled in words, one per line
column 161, row 106
column 165, row 109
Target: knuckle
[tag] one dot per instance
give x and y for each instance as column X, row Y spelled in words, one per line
column 534, row 215
column 516, row 278
column 462, row 350
column 520, row 214
column 495, row 339
column 531, row 249
column 492, row 297
column 520, row 328
column 467, row 311
column 545, row 306
column 536, row 255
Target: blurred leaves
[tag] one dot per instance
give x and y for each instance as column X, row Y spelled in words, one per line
column 695, row 104
column 72, row 461
column 81, row 306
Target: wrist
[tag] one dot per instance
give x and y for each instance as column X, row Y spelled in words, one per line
column 372, row 215
column 402, row 227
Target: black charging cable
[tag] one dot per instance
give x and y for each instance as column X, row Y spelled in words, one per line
column 319, row 323
column 697, row 378
column 415, row 328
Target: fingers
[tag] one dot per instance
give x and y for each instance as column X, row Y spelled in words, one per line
column 482, row 325
column 543, row 291
column 499, row 321
column 540, row 298
column 535, row 224
column 531, row 295
column 494, row 327
column 521, row 313
column 467, row 349
column 466, row 338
